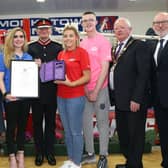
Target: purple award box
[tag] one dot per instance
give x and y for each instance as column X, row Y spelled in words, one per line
column 53, row 70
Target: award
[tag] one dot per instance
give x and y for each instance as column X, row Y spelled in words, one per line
column 24, row 79
column 53, row 70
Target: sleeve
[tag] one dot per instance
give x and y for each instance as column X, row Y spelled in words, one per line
column 30, row 49
column 59, row 55
column 105, row 50
column 2, row 64
column 85, row 63
column 143, row 71
column 28, row 57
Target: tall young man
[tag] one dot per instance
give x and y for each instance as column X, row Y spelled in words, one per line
column 99, row 50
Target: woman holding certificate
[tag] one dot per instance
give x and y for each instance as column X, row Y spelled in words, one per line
column 17, row 110
column 71, row 95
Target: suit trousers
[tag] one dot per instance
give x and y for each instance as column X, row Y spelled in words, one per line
column 44, row 127
column 161, row 115
column 131, row 132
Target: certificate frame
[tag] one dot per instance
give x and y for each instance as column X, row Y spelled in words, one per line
column 24, row 79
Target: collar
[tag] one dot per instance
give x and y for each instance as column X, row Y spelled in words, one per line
column 125, row 41
column 44, row 42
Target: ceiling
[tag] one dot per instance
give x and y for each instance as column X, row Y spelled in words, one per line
column 10, row 7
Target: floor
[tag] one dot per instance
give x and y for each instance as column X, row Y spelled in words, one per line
column 150, row 160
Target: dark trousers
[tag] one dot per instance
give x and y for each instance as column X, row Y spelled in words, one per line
column 16, row 118
column 131, row 132
column 2, row 125
column 161, row 115
column 44, row 138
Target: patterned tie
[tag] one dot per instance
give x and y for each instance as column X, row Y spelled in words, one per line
column 118, row 49
column 160, row 50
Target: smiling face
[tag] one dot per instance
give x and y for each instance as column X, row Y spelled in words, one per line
column 44, row 33
column 70, row 38
column 122, row 29
column 89, row 22
column 18, row 39
column 160, row 24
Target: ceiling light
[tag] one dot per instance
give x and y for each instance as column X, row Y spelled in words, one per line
column 40, row 0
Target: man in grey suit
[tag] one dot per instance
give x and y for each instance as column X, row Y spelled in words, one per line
column 160, row 81
column 131, row 74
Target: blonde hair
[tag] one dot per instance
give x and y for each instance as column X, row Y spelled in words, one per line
column 71, row 27
column 9, row 48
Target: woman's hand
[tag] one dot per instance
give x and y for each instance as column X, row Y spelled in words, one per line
column 38, row 61
column 10, row 97
column 67, row 82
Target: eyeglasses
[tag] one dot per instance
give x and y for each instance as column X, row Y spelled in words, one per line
column 160, row 22
column 88, row 20
column 20, row 36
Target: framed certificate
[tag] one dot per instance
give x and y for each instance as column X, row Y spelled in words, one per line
column 24, row 79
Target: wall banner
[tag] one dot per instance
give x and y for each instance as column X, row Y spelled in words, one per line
column 105, row 24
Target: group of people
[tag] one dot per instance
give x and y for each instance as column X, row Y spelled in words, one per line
column 134, row 70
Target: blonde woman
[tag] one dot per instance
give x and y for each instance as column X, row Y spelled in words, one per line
column 16, row 109
column 71, row 95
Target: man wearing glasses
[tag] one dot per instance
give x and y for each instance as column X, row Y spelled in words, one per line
column 97, row 102
column 160, row 81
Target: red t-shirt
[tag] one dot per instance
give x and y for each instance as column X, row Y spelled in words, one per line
column 75, row 62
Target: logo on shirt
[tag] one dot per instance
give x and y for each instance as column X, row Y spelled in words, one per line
column 72, row 59
column 94, row 49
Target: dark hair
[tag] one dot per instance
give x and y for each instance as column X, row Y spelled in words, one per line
column 89, row 12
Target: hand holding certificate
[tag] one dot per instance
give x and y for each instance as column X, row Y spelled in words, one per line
column 53, row 70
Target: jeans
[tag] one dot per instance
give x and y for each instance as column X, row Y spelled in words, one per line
column 71, row 113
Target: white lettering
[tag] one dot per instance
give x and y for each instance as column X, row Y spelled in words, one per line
column 4, row 23
column 15, row 23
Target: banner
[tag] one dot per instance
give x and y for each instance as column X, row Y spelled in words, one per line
column 105, row 24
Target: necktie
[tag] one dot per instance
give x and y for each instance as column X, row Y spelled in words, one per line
column 118, row 49
column 160, row 50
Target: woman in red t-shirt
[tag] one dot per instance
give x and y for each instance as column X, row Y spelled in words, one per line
column 71, row 94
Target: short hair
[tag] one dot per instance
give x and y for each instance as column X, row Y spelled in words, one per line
column 89, row 13
column 125, row 20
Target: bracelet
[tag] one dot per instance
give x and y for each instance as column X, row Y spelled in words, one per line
column 4, row 95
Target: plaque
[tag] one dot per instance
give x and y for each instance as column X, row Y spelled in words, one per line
column 53, row 70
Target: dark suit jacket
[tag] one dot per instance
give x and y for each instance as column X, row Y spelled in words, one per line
column 46, row 53
column 159, row 78
column 131, row 75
